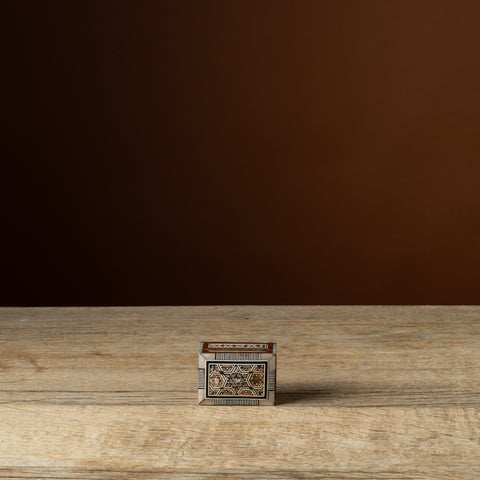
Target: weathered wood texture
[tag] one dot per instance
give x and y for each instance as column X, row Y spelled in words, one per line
column 363, row 393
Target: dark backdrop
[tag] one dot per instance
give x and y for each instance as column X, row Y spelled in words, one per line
column 210, row 152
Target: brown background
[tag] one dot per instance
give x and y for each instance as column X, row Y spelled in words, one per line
column 323, row 152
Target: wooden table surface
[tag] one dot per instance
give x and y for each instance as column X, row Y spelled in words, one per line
column 363, row 393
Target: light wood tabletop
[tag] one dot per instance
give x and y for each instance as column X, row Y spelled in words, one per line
column 362, row 393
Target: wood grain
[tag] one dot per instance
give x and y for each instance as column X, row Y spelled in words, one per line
column 363, row 393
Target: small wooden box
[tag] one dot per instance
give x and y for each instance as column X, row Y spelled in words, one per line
column 237, row 373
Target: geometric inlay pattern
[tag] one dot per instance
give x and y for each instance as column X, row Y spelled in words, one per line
column 236, row 379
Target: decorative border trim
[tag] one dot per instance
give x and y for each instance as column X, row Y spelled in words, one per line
column 240, row 402
column 237, row 356
column 201, row 378
column 214, row 347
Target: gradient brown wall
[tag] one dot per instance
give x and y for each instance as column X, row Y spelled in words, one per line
column 323, row 152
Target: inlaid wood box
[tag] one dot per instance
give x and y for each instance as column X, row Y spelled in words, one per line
column 237, row 373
